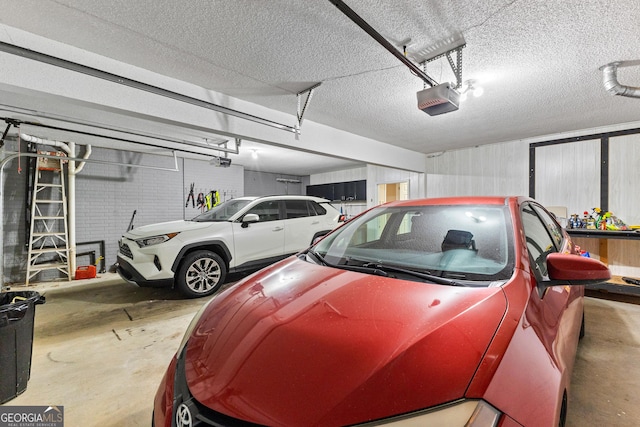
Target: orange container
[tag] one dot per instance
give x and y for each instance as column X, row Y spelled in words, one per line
column 86, row 272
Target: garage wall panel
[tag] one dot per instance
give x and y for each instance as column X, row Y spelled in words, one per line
column 490, row 170
column 264, row 183
column 576, row 168
column 569, row 175
column 107, row 196
column 624, row 178
column 382, row 175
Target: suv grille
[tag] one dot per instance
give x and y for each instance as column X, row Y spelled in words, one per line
column 124, row 250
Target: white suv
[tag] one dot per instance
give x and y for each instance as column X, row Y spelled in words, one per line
column 241, row 234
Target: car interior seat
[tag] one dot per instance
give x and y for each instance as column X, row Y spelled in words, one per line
column 458, row 239
column 419, row 226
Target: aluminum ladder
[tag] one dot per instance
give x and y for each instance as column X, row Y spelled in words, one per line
column 49, row 237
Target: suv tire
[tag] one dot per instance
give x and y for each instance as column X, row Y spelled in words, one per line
column 200, row 274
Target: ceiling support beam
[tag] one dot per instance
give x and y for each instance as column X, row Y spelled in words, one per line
column 17, row 123
column 447, row 50
column 94, row 72
column 94, row 125
column 300, row 112
column 380, row 39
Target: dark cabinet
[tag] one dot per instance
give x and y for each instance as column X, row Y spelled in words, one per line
column 344, row 191
column 361, row 190
column 339, row 191
column 322, row 190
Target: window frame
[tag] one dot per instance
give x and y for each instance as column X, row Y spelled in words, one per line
column 301, row 202
column 279, row 206
column 556, row 245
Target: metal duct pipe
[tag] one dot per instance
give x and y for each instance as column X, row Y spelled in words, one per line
column 71, row 209
column 50, row 142
column 610, row 79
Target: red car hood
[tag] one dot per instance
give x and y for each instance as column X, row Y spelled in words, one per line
column 301, row 345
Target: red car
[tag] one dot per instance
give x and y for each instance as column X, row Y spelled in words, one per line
column 435, row 312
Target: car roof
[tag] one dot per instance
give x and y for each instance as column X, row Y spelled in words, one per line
column 465, row 200
column 284, row 197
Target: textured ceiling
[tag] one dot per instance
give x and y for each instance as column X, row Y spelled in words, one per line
column 537, row 60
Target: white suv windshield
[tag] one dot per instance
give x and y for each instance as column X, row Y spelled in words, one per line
column 223, row 211
column 461, row 242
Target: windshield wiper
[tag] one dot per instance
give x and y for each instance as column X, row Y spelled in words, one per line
column 357, row 268
column 419, row 274
column 315, row 255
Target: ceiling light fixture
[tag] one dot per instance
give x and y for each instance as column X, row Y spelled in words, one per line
column 470, row 86
column 436, row 154
column 254, row 154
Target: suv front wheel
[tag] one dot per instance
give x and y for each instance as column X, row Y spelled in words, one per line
column 201, row 273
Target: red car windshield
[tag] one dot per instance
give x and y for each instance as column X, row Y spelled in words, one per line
column 471, row 243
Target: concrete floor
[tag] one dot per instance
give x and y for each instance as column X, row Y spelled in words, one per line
column 101, row 347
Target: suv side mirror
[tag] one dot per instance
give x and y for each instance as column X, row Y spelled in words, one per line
column 249, row 218
column 569, row 269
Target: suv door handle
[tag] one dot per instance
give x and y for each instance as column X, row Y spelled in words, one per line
column 315, row 222
column 278, row 229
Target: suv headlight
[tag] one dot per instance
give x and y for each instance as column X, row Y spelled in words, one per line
column 466, row 413
column 155, row 240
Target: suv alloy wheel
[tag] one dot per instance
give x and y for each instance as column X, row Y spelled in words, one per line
column 200, row 274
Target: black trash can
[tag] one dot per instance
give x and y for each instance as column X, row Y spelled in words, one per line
column 17, row 311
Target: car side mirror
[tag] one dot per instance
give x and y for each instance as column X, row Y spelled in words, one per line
column 249, row 218
column 569, row 269
column 317, row 239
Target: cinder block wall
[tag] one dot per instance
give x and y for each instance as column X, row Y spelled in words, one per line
column 264, row 183
column 106, row 197
column 108, row 194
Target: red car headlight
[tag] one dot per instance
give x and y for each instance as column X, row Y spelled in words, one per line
column 466, row 413
column 192, row 325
